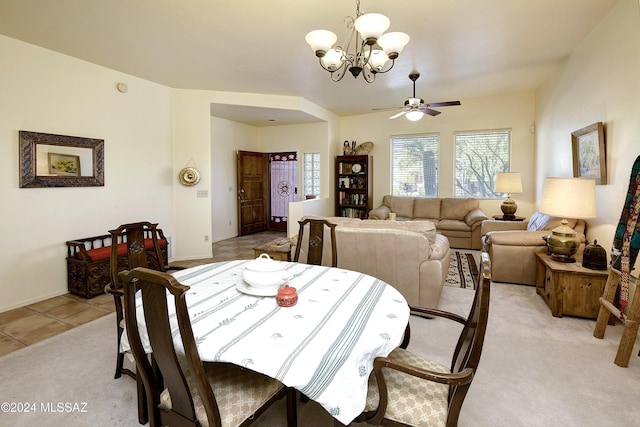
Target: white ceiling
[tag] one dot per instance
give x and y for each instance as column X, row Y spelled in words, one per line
column 462, row 48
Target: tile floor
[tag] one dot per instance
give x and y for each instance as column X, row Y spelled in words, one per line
column 35, row 322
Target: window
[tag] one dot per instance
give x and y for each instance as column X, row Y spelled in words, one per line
column 478, row 156
column 312, row 173
column 414, row 170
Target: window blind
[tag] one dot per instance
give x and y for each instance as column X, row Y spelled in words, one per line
column 414, row 170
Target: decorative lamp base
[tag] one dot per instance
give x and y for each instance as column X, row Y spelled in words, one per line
column 509, row 208
column 563, row 243
column 563, row 258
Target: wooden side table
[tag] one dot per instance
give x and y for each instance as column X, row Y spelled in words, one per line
column 569, row 288
column 503, row 218
column 279, row 249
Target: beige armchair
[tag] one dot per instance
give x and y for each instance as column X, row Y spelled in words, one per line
column 512, row 245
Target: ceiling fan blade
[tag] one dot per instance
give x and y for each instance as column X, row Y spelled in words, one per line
column 443, row 104
column 429, row 111
column 386, row 109
column 397, row 115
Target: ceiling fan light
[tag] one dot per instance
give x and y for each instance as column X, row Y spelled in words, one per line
column 377, row 59
column 415, row 115
column 393, row 43
column 332, row 60
column 371, row 26
column 321, row 41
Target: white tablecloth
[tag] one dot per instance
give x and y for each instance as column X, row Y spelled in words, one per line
column 323, row 346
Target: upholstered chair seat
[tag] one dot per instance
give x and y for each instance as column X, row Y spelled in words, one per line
column 238, row 392
column 412, row 400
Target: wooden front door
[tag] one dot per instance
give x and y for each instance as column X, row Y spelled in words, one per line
column 253, row 185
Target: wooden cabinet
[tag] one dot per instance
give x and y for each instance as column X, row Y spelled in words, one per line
column 569, row 288
column 354, row 186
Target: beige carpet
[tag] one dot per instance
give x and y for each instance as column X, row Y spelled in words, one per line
column 536, row 370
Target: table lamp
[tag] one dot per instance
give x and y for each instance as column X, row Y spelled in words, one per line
column 510, row 183
column 567, row 198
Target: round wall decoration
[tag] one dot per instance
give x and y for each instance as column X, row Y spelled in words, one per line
column 189, row 176
column 364, row 148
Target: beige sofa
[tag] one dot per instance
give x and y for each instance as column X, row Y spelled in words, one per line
column 458, row 219
column 512, row 246
column 410, row 256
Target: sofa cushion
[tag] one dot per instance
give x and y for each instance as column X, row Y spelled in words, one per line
column 425, row 207
column 402, row 206
column 439, row 248
column 457, row 208
column 540, row 221
column 105, row 252
column 453, row 225
column 426, row 228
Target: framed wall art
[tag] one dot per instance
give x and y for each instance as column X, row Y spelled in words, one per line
column 589, row 154
column 48, row 160
column 64, row 164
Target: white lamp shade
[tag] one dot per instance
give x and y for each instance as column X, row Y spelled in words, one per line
column 393, row 43
column 508, row 182
column 321, row 40
column 332, row 60
column 414, row 116
column 569, row 198
column 377, row 59
column 372, row 25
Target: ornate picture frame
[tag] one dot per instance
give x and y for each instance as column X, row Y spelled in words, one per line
column 589, row 153
column 35, row 162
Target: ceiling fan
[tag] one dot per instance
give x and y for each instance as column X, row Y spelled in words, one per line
column 415, row 108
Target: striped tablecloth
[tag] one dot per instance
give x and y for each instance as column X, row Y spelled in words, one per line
column 323, row 346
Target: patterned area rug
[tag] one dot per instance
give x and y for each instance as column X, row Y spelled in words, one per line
column 463, row 270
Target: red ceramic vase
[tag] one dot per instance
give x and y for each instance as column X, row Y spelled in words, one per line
column 287, row 296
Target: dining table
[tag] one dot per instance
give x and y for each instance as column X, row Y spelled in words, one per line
column 324, row 345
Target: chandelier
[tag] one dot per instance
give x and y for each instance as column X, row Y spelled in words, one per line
column 375, row 52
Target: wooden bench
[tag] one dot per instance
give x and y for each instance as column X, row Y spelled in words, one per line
column 88, row 262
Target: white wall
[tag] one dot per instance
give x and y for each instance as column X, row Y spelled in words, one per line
column 227, row 137
column 44, row 91
column 599, row 83
column 512, row 111
column 200, row 136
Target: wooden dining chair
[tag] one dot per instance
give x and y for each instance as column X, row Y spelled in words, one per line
column 183, row 391
column 315, row 241
column 132, row 245
column 408, row 390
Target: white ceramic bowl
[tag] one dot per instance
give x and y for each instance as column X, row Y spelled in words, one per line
column 263, row 272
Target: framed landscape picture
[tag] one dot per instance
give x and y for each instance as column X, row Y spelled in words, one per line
column 589, row 154
column 64, row 164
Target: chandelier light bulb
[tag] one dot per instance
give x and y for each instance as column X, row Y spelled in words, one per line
column 378, row 59
column 414, row 116
column 332, row 59
column 371, row 26
column 321, row 41
column 393, row 43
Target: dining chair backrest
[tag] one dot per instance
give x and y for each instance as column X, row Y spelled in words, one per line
column 315, row 237
column 470, row 342
column 135, row 245
column 153, row 287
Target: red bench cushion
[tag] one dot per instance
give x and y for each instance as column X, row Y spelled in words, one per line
column 105, row 252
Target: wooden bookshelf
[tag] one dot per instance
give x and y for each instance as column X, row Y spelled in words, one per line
column 354, row 186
